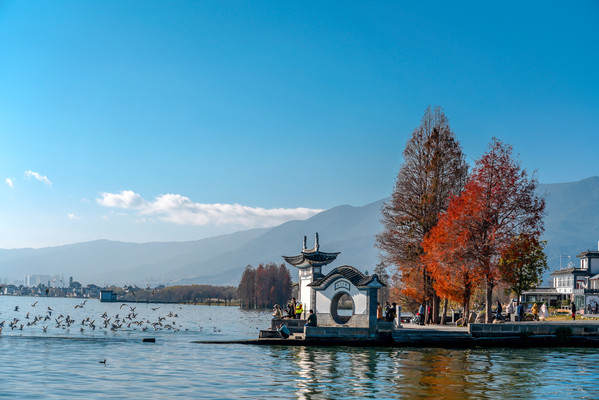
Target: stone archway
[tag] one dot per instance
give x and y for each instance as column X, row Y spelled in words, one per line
column 342, row 308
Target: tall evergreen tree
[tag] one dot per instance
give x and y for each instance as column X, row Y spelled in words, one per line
column 433, row 171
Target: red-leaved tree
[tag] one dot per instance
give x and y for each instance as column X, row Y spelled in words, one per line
column 455, row 276
column 498, row 204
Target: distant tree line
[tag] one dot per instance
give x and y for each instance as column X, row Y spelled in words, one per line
column 206, row 294
column 265, row 286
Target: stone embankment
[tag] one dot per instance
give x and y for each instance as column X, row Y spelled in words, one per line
column 525, row 334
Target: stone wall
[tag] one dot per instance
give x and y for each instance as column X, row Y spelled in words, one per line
column 533, row 329
column 357, row 320
column 331, row 332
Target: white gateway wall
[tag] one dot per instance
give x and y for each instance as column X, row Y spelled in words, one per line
column 324, row 299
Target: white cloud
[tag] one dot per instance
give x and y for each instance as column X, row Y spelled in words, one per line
column 72, row 216
column 9, row 182
column 126, row 199
column 41, row 178
column 181, row 210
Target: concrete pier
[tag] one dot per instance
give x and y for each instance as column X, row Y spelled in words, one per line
column 525, row 334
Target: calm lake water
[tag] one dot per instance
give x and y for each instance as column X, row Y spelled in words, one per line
column 64, row 362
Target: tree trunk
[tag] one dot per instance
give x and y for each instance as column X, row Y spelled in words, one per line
column 444, row 318
column 436, row 307
column 489, row 289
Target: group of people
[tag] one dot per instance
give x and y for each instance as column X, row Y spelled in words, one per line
column 390, row 311
column 294, row 310
column 520, row 311
column 593, row 310
column 424, row 315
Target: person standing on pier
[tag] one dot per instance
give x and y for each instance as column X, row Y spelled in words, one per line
column 573, row 309
column 421, row 314
column 293, row 307
column 509, row 310
column 379, row 311
column 299, row 309
column 520, row 312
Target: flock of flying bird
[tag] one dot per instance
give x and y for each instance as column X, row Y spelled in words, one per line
column 127, row 320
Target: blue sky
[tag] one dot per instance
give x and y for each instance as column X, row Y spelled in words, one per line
column 155, row 121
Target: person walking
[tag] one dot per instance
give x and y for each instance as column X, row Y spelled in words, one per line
column 544, row 312
column 535, row 312
column 429, row 315
column 499, row 310
column 421, row 314
column 573, row 309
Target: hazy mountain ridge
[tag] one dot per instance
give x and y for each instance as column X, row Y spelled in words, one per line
column 572, row 225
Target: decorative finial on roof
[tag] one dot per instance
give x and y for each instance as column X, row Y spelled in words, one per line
column 304, row 246
column 316, row 245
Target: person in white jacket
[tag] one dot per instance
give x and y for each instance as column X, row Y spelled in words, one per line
column 509, row 310
column 543, row 313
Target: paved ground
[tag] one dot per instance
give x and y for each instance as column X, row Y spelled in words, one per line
column 444, row 328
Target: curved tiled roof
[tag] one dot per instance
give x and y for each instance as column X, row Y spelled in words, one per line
column 348, row 272
column 315, row 258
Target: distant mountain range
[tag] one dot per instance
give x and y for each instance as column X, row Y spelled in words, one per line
column 572, row 225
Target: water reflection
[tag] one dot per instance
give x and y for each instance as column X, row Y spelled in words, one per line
column 60, row 362
column 343, row 373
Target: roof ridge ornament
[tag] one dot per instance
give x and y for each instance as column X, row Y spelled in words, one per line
column 312, row 257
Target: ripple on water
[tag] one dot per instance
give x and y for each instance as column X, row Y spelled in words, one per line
column 65, row 363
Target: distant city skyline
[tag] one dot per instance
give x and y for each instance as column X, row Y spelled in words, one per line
column 153, row 121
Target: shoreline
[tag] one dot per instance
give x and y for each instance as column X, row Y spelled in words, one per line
column 507, row 335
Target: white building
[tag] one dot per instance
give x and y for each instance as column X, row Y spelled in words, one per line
column 344, row 297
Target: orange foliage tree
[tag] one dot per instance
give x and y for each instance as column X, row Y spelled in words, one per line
column 455, row 276
column 498, row 204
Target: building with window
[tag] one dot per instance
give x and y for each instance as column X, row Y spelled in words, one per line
column 579, row 284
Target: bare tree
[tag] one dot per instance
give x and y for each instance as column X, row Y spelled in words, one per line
column 432, row 172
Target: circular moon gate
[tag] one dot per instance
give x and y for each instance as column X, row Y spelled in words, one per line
column 342, row 308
